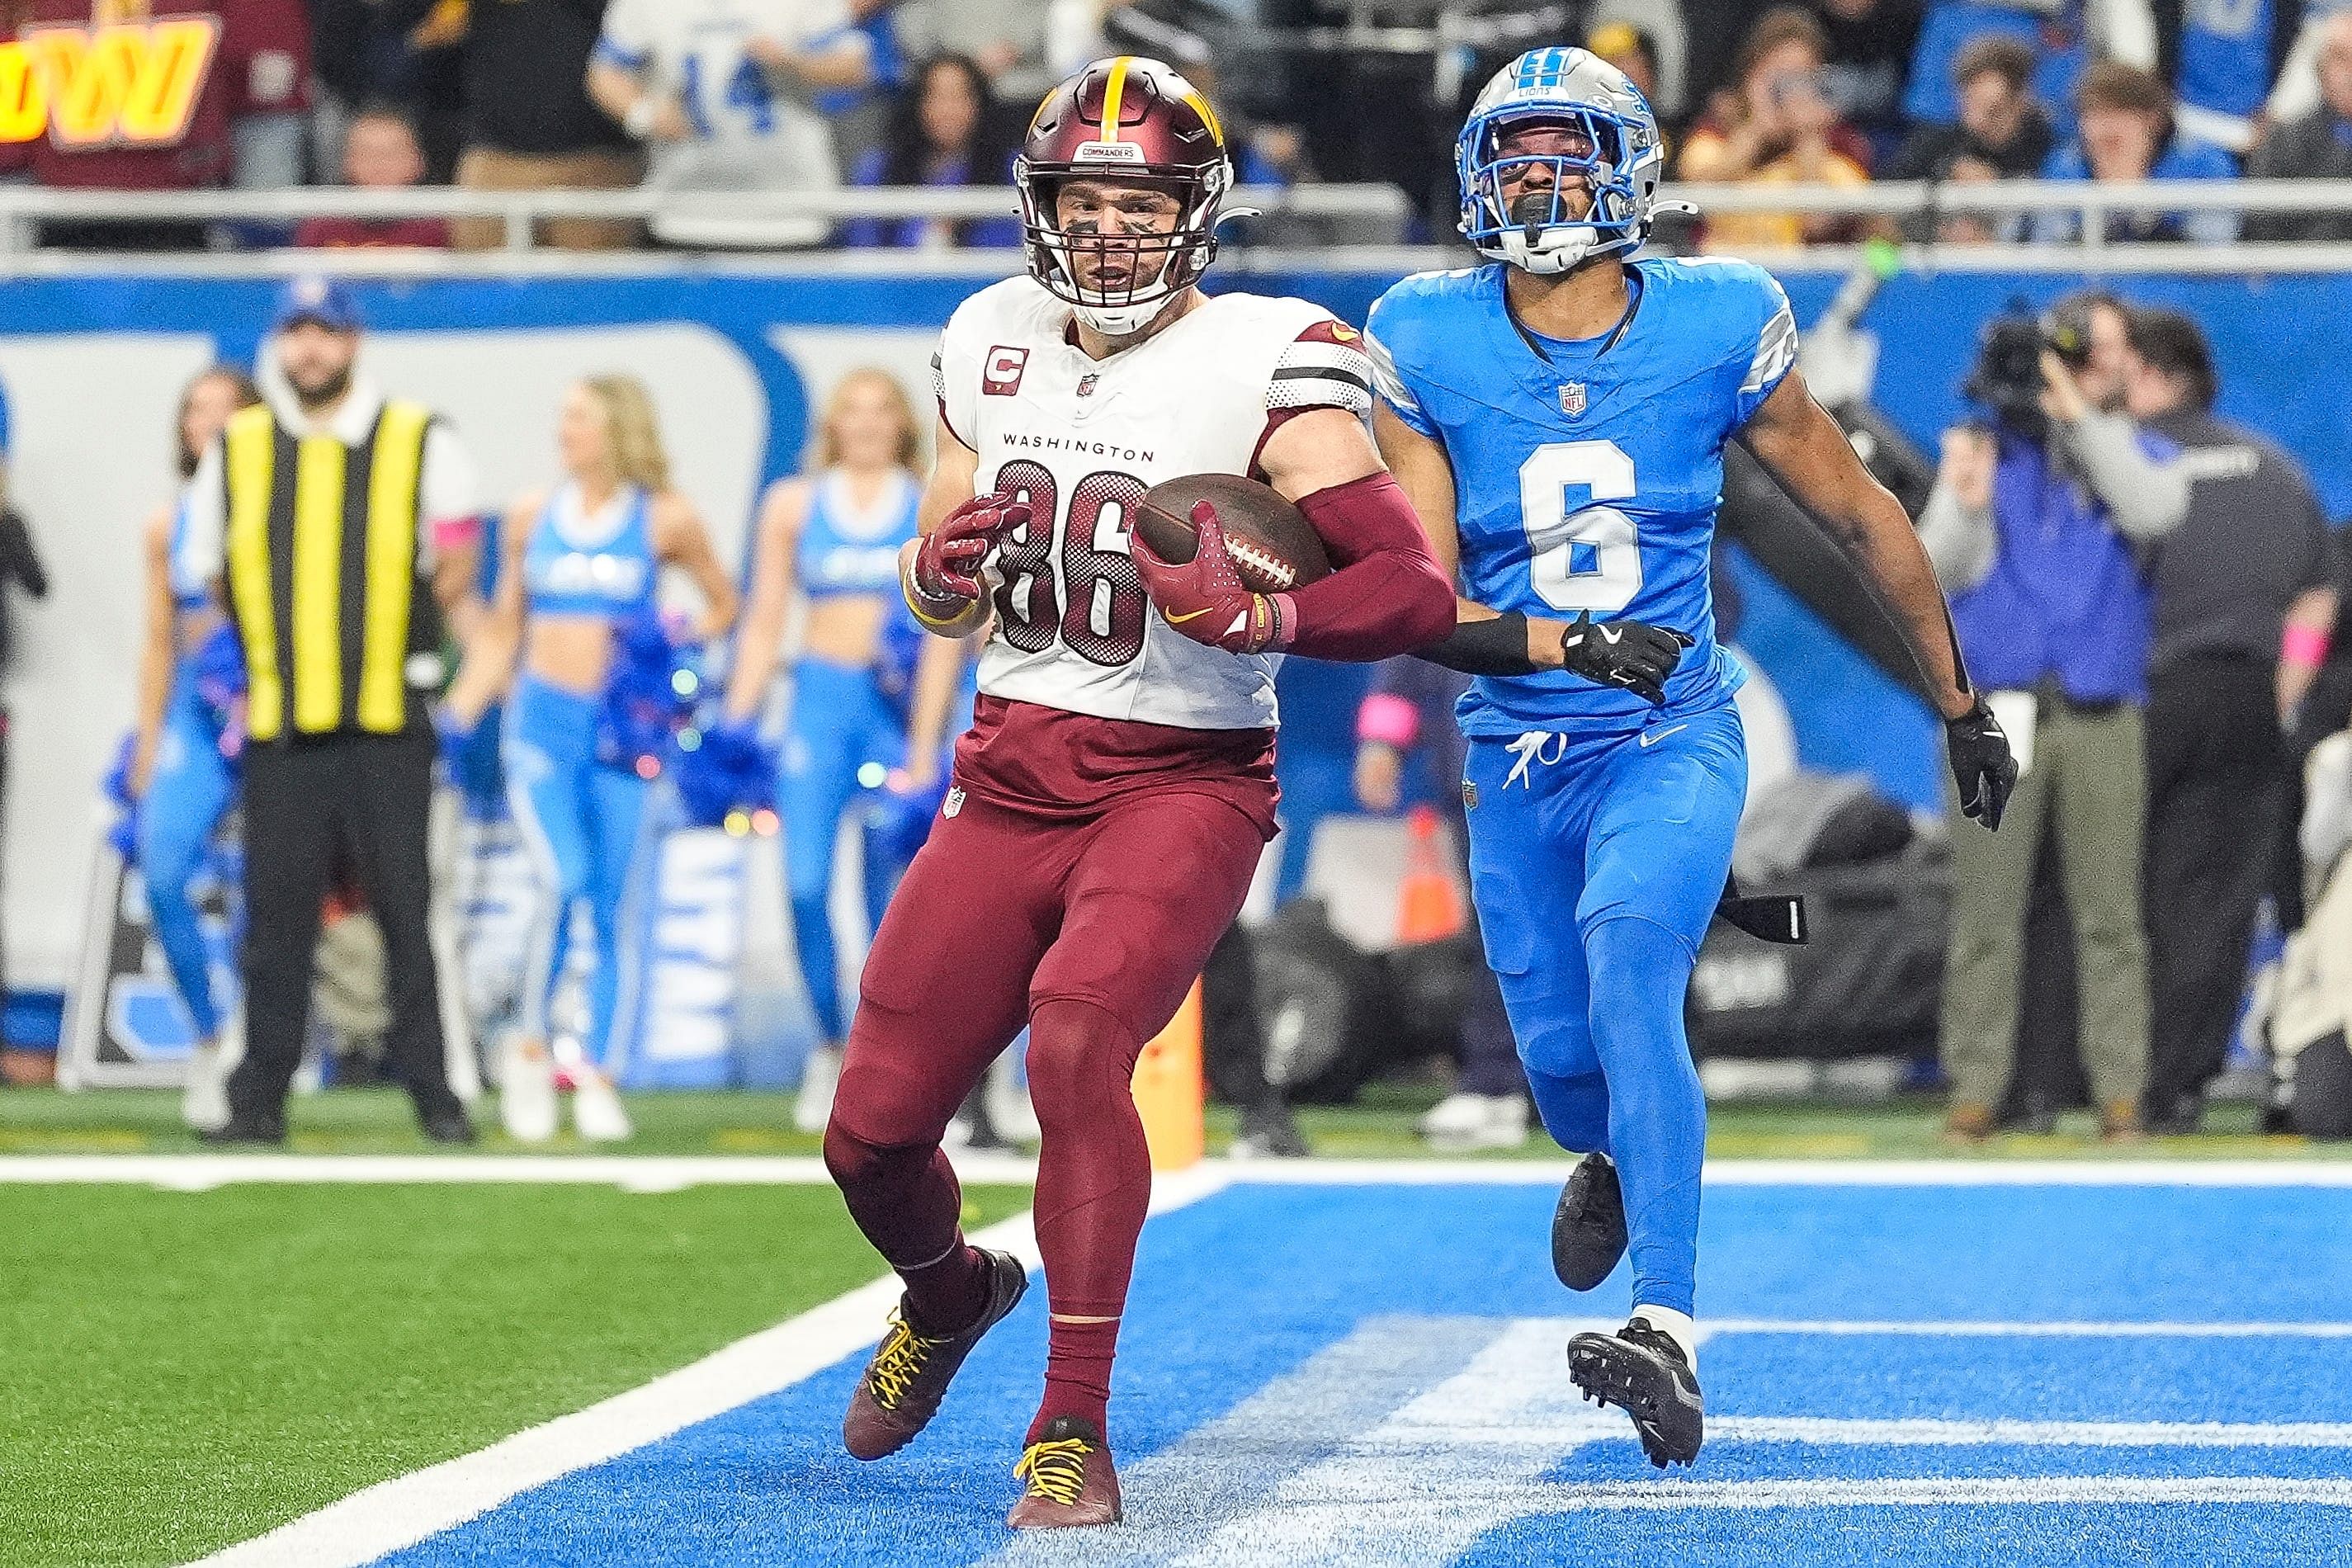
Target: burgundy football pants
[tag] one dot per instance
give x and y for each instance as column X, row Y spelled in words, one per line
column 1090, row 932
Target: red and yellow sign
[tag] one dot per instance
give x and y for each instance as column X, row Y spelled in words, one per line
column 135, row 84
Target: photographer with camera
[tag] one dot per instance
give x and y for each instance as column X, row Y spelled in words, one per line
column 2036, row 527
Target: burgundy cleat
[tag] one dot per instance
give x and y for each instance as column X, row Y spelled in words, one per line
column 910, row 1370
column 1071, row 1480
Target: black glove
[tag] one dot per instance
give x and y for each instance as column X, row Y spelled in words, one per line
column 1982, row 763
column 1630, row 654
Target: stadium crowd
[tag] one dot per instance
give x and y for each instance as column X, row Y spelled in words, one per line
column 506, row 95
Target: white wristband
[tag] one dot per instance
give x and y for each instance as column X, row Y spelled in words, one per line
column 639, row 121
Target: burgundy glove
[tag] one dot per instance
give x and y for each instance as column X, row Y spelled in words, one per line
column 946, row 576
column 1205, row 599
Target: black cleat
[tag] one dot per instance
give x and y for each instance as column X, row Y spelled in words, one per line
column 244, row 1129
column 1644, row 1374
column 445, row 1124
column 1587, row 1229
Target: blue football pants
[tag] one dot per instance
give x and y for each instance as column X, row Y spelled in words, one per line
column 1596, row 865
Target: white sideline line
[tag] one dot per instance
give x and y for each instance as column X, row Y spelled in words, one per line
column 408, row 1508
column 1825, row 1173
column 2039, row 1490
column 668, row 1172
column 1905, row 1432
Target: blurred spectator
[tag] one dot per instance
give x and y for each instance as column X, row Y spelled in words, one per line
column 723, row 94
column 1659, row 29
column 2035, row 526
column 530, row 125
column 1870, row 45
column 860, row 116
column 2244, row 604
column 2002, row 133
column 1775, row 125
column 2222, row 61
column 2127, row 135
column 408, row 53
column 943, row 134
column 20, row 567
column 237, row 121
column 2319, row 146
column 1006, row 38
column 1633, row 51
column 2296, row 91
column 2053, row 29
column 379, row 154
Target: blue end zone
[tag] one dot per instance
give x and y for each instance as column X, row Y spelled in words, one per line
column 1349, row 1374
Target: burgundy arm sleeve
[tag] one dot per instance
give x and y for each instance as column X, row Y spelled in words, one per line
column 1387, row 594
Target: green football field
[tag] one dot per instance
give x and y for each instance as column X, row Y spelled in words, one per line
column 184, row 1370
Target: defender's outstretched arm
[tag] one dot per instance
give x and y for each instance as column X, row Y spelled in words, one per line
column 1795, row 438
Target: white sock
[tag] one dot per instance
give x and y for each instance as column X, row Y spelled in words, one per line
column 1676, row 1326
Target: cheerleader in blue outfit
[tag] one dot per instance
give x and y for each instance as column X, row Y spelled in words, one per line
column 180, row 775
column 583, row 564
column 830, row 537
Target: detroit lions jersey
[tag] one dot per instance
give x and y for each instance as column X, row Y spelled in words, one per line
column 1080, row 440
column 1587, row 474
column 750, row 131
column 849, row 549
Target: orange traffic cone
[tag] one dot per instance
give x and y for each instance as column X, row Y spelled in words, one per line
column 1429, row 906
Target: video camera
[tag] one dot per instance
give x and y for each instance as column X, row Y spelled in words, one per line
column 2007, row 378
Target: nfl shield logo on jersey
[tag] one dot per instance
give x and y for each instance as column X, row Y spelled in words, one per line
column 1087, row 383
column 1572, row 398
column 954, row 801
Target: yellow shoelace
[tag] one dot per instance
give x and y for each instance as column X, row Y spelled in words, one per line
column 897, row 1362
column 1056, row 1471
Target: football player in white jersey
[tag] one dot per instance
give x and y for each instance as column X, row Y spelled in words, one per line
column 1115, row 790
column 722, row 92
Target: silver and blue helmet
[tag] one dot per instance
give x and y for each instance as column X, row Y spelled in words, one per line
column 1577, row 88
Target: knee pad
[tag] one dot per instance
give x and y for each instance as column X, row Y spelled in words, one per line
column 854, row 1162
column 1078, row 1053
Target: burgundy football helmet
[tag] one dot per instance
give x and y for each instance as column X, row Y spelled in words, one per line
column 1134, row 120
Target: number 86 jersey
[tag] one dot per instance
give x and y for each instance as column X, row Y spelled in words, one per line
column 1587, row 474
column 1080, row 440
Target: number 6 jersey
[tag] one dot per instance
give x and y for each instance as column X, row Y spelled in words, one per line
column 1080, row 440
column 1587, row 474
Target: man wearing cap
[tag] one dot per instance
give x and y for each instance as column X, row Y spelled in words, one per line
column 337, row 523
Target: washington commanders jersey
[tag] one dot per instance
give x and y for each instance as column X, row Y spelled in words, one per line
column 1587, row 474
column 1080, row 440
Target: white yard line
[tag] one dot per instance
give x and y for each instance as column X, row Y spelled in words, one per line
column 2043, row 1492
column 668, row 1172
column 408, row 1508
column 1413, row 1438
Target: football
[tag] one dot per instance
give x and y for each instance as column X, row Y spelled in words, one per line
column 1273, row 547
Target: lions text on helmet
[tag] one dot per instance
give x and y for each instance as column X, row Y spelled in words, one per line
column 1560, row 162
column 1121, row 178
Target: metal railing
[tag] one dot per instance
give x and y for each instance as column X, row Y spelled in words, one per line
column 742, row 225
column 754, row 219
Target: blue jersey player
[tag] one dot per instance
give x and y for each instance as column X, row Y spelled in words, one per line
column 1558, row 417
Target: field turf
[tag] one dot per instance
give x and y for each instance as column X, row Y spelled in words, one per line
column 179, row 1371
